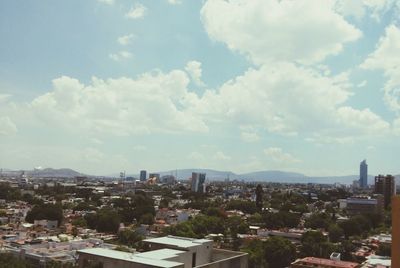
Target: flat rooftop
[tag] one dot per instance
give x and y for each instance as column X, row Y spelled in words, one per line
column 328, row 262
column 181, row 242
column 155, row 258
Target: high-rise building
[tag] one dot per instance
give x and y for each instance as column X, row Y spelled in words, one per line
column 168, row 179
column 143, row 175
column 386, row 186
column 396, row 231
column 363, row 174
column 198, row 180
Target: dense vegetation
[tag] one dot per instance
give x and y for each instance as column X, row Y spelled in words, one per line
column 52, row 212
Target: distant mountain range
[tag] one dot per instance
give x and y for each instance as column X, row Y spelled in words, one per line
column 265, row 176
column 213, row 175
column 44, row 173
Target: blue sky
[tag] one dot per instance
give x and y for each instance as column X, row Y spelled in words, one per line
column 103, row 86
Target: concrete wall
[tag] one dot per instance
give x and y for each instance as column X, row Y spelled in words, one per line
column 185, row 257
column 227, row 259
column 203, row 252
column 110, row 263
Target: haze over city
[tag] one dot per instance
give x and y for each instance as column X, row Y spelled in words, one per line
column 110, row 85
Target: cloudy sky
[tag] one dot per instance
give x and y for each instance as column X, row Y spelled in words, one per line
column 102, row 86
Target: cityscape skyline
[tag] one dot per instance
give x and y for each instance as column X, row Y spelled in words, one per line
column 115, row 85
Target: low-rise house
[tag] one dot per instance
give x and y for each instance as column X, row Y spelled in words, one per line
column 375, row 261
column 45, row 224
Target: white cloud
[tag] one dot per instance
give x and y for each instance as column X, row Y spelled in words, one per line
column 221, row 156
column 300, row 30
column 386, row 57
column 139, row 148
column 107, row 2
column 288, row 100
column 362, row 83
column 396, row 126
column 371, row 148
column 194, row 70
column 4, row 97
column 320, row 139
column 125, row 39
column 92, row 155
column 7, row 126
column 96, row 141
column 121, row 55
column 175, row 2
column 364, row 120
column 249, row 134
column 151, row 103
column 138, row 11
column 276, row 154
column 196, row 156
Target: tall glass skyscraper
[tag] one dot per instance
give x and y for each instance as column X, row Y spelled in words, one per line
column 363, row 174
column 198, row 180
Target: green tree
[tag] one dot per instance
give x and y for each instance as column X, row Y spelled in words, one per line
column 91, row 220
column 318, row 221
column 108, row 221
column 79, row 222
column 147, row 218
column 181, row 229
column 8, row 193
column 281, row 219
column 3, row 213
column 335, row 233
column 45, row 212
column 105, row 220
column 375, row 219
column 203, row 225
column 164, row 203
column 312, row 244
column 129, row 238
column 255, row 219
column 236, row 225
column 84, row 206
column 215, row 212
column 356, row 225
column 347, row 248
column 279, row 252
column 242, row 205
column 255, row 249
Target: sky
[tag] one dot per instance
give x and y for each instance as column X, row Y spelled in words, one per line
column 103, row 86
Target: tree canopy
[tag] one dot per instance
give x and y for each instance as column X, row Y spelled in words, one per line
column 51, row 212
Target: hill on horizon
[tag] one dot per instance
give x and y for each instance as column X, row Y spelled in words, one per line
column 211, row 174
